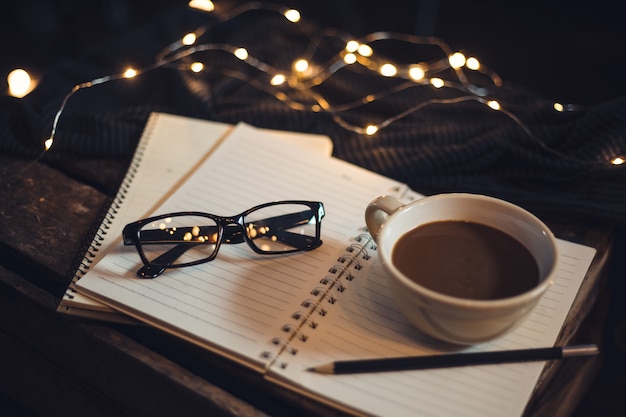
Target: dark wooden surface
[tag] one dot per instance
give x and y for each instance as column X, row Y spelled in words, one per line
column 53, row 365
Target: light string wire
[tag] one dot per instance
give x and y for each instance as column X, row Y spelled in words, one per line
column 303, row 81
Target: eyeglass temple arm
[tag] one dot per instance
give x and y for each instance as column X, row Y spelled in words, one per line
column 232, row 235
column 163, row 261
column 158, row 236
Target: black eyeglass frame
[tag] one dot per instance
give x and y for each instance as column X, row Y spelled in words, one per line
column 132, row 235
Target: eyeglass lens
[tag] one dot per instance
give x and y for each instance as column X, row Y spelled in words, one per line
column 281, row 227
column 179, row 239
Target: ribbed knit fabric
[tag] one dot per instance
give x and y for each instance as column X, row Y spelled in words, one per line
column 559, row 171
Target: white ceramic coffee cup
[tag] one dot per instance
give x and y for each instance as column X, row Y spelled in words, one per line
column 452, row 319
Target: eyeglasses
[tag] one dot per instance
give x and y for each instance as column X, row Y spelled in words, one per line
column 181, row 239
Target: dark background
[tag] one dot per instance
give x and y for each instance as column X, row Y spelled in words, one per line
column 571, row 51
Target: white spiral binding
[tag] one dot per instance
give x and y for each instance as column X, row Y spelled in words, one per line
column 106, row 220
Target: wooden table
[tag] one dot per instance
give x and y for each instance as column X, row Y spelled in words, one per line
column 60, row 366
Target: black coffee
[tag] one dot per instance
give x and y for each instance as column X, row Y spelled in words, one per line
column 466, row 259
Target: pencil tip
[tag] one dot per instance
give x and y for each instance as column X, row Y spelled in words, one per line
column 321, row 369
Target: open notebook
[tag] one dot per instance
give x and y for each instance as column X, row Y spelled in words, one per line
column 280, row 315
column 157, row 168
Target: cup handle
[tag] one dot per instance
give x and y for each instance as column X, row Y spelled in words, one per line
column 377, row 212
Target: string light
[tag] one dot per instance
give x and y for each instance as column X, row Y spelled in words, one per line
column 352, row 46
column 457, row 60
column 20, row 83
column 292, row 15
column 306, row 74
column 365, row 50
column 189, row 39
column 388, row 70
column 196, row 67
column 416, row 72
column 370, row 130
column 241, row 53
column 278, row 79
column 204, row 5
column 437, row 82
column 130, row 73
column 472, row 63
column 494, row 104
column 301, row 65
column 349, row 58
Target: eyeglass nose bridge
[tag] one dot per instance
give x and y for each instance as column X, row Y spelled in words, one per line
column 233, row 230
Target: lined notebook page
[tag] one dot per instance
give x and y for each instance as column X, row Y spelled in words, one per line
column 239, row 303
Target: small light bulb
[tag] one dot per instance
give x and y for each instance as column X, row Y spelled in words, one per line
column 48, row 144
column 241, row 53
column 278, row 79
column 457, row 60
column 130, row 73
column 493, row 104
column 189, row 39
column 352, row 46
column 292, row 15
column 204, row 5
column 416, row 72
column 365, row 50
column 437, row 82
column 196, row 67
column 349, row 59
column 371, row 129
column 472, row 63
column 559, row 107
column 618, row 161
column 301, row 65
column 388, row 70
column 19, row 82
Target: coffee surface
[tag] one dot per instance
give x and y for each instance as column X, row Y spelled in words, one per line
column 466, row 259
